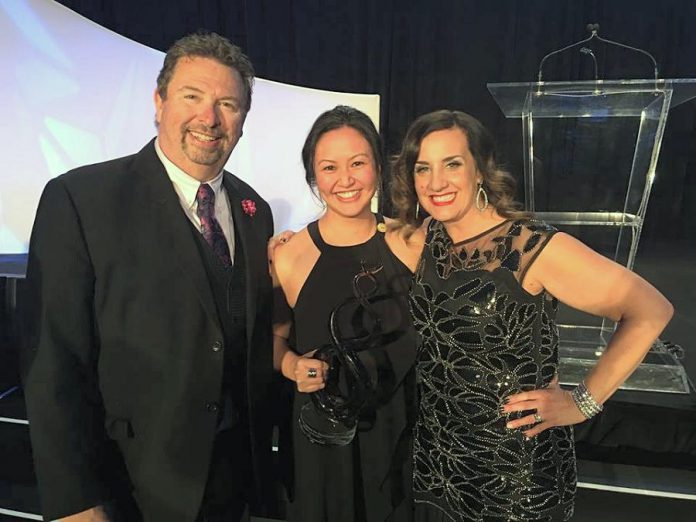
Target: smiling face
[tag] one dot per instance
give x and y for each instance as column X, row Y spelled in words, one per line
column 445, row 175
column 201, row 119
column 346, row 175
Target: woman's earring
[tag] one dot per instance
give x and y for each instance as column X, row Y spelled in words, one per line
column 479, row 194
column 417, row 209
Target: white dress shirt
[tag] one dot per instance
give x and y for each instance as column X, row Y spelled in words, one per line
column 186, row 188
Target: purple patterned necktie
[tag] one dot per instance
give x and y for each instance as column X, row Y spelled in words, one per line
column 210, row 228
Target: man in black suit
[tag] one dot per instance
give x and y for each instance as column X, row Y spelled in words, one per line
column 149, row 358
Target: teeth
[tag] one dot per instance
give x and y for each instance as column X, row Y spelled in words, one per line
column 443, row 198
column 202, row 137
column 347, row 195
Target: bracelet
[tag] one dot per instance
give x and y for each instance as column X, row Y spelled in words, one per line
column 583, row 399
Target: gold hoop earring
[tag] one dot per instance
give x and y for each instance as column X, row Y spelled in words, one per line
column 481, row 192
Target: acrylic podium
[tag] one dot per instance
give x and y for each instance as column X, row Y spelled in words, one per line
column 590, row 154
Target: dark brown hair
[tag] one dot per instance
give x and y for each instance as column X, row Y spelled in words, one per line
column 336, row 118
column 498, row 184
column 207, row 45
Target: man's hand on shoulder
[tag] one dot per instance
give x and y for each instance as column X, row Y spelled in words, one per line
column 276, row 241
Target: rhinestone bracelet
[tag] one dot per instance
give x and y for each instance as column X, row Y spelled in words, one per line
column 584, row 401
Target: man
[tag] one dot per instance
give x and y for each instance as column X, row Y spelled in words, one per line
column 149, row 355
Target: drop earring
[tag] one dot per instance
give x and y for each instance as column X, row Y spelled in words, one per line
column 481, row 193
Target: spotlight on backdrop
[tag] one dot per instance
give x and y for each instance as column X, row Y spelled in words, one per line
column 76, row 93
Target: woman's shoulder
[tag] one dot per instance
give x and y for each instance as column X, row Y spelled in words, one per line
column 295, row 247
column 291, row 259
column 405, row 241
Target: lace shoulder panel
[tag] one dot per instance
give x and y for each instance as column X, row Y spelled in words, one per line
column 512, row 245
column 533, row 236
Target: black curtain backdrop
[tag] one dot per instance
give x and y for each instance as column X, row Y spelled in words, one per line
column 422, row 55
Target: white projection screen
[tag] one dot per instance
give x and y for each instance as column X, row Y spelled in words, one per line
column 75, row 93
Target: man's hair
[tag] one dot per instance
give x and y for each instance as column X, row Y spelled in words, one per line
column 207, row 45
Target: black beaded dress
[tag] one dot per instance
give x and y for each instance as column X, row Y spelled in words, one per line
column 484, row 338
column 368, row 480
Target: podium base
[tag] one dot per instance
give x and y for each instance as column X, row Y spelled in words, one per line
column 581, row 346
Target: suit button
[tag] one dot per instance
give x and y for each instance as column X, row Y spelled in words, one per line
column 217, row 346
column 212, row 406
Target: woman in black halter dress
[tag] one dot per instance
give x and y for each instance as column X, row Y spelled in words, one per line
column 368, row 479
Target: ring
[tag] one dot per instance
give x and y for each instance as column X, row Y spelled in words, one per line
column 311, row 373
column 537, row 418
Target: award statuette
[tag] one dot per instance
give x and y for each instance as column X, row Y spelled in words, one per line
column 330, row 418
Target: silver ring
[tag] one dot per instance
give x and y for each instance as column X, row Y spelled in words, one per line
column 312, row 373
column 537, row 418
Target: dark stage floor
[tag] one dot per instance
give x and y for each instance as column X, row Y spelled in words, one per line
column 592, row 506
column 607, row 506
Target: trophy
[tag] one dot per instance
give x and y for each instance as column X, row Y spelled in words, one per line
column 330, row 418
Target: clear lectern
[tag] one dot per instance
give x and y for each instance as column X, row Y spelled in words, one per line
column 590, row 153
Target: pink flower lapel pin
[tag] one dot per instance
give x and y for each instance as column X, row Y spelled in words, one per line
column 249, row 207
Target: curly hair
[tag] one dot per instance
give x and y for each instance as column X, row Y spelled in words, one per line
column 498, row 184
column 207, row 45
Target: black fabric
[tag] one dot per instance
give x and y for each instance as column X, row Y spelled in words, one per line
column 485, row 338
column 369, row 479
column 119, row 317
column 229, row 289
column 640, row 433
column 227, row 491
column 422, row 55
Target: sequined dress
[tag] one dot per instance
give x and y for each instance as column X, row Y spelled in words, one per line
column 483, row 338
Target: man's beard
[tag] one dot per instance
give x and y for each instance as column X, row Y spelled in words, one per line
column 202, row 156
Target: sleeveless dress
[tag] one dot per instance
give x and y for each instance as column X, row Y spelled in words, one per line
column 369, row 479
column 484, row 338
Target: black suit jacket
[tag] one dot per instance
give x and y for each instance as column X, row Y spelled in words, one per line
column 124, row 340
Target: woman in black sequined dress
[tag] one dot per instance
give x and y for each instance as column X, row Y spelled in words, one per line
column 493, row 439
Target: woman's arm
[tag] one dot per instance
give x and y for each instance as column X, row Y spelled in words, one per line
column 307, row 373
column 583, row 279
